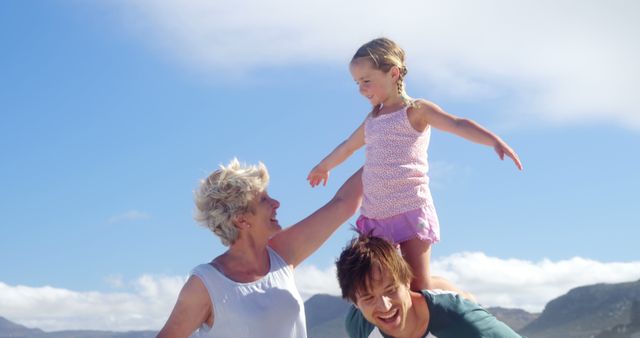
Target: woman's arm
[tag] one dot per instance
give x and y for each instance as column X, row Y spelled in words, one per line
column 297, row 242
column 191, row 310
column 429, row 113
column 320, row 173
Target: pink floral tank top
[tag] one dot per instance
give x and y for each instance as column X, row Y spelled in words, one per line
column 395, row 171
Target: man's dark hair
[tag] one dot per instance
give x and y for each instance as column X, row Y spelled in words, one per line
column 364, row 255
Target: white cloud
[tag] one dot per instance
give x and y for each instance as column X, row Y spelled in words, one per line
column 53, row 309
column 525, row 284
column 563, row 61
column 495, row 282
column 129, row 215
column 499, row 282
column 311, row 280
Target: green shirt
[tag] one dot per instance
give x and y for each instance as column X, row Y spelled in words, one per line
column 451, row 317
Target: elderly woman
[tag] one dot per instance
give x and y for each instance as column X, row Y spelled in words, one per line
column 249, row 290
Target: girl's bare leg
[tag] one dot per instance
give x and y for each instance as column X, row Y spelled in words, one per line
column 417, row 253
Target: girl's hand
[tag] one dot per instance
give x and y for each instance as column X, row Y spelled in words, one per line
column 317, row 175
column 503, row 149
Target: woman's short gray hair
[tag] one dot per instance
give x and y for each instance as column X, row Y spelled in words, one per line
column 227, row 193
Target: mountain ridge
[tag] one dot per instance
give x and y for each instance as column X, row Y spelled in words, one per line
column 598, row 310
column 586, row 311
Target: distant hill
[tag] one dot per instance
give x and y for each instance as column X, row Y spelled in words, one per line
column 594, row 311
column 9, row 329
column 324, row 313
column 325, row 316
column 515, row 318
column 99, row 334
column 587, row 311
column 631, row 329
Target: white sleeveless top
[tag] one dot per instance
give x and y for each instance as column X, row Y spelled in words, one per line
column 270, row 307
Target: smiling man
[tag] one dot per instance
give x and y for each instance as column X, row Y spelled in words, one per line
column 375, row 278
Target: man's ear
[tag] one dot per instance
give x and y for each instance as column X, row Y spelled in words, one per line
column 354, row 302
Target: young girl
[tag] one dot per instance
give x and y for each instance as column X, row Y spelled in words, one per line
column 397, row 203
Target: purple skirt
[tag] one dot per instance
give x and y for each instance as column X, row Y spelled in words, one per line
column 421, row 223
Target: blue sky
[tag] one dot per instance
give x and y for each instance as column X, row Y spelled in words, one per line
column 111, row 111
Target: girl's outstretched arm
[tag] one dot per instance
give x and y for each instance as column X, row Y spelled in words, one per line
column 320, row 173
column 429, row 113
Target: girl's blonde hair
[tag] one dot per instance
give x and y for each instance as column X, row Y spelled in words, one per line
column 385, row 54
column 226, row 193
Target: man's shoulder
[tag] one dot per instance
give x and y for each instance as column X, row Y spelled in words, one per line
column 359, row 327
column 453, row 316
column 440, row 299
column 355, row 323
